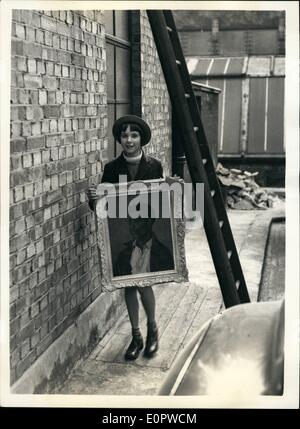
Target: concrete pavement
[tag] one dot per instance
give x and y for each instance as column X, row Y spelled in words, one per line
column 181, row 311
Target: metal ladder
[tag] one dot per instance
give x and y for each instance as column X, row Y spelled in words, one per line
column 199, row 161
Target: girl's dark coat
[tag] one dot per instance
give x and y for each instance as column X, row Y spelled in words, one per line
column 149, row 168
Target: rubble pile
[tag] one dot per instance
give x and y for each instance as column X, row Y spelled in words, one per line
column 242, row 192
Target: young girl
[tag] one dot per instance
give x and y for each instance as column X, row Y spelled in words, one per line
column 132, row 133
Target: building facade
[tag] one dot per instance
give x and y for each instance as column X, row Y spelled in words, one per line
column 72, row 74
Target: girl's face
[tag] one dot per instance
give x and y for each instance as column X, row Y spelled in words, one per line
column 131, row 142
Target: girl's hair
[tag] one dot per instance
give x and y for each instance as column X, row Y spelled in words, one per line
column 133, row 127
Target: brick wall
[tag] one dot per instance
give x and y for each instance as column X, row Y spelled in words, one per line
column 58, row 148
column 156, row 107
column 58, row 138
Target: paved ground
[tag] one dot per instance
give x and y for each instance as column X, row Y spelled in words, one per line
column 181, row 310
column 273, row 278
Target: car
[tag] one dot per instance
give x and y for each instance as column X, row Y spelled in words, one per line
column 238, row 352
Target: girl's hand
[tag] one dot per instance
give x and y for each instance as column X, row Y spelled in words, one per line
column 92, row 193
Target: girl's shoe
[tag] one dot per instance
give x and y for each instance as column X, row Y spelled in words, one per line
column 151, row 342
column 135, row 347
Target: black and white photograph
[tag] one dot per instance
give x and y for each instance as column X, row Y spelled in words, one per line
column 194, row 311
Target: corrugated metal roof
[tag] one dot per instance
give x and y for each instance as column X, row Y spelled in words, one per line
column 218, row 66
column 236, row 66
column 279, row 66
column 259, row 66
column 198, row 67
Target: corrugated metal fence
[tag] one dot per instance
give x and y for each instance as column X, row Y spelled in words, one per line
column 251, row 102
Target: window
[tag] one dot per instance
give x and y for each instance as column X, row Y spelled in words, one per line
column 118, row 54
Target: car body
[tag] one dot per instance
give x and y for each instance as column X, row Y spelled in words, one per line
column 238, row 352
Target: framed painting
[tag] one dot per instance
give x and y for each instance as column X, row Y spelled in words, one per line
column 140, row 233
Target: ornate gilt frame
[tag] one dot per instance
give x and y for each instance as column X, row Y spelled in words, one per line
column 180, row 272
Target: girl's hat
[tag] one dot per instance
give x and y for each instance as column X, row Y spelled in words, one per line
column 132, row 119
